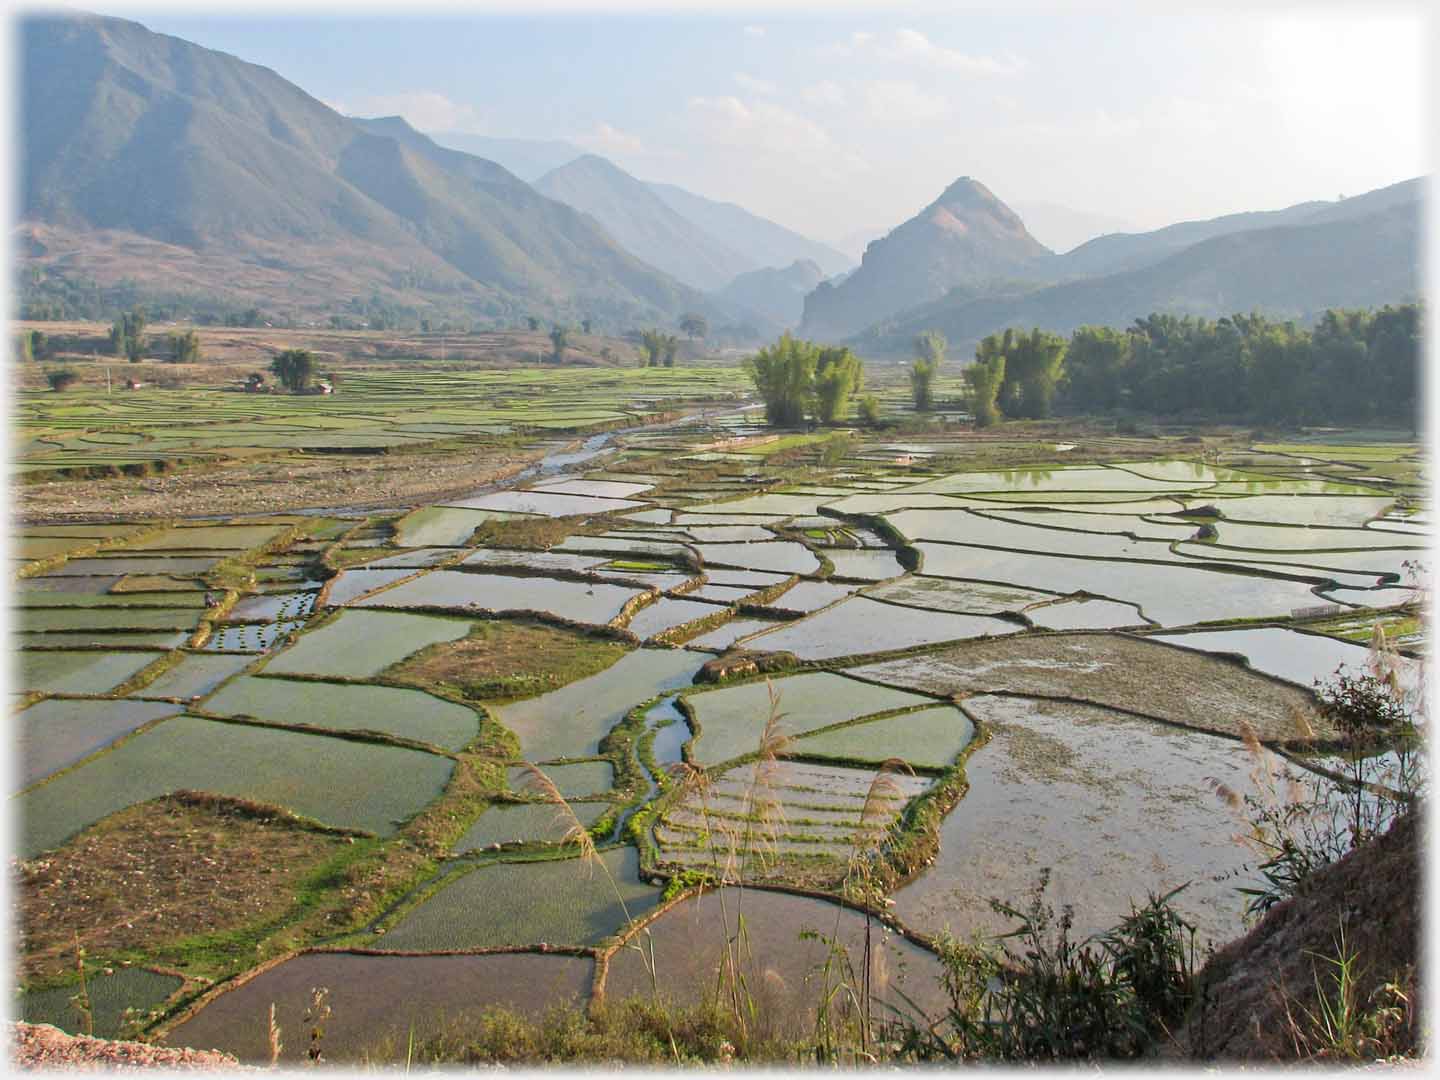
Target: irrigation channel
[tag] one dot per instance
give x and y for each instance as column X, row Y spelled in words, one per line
column 780, row 668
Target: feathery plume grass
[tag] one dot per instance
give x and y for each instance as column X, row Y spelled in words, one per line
column 538, row 784
column 272, row 1035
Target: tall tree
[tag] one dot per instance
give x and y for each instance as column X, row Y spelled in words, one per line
column 293, row 368
column 654, row 342
column 127, row 335
column 838, row 375
column 1096, row 368
column 693, row 325
column 784, row 376
column 559, row 342
column 931, row 346
column 1033, row 363
column 922, row 385
column 983, row 380
column 669, row 346
column 185, row 348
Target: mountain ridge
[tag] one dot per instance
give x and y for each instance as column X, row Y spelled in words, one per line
column 642, row 222
column 129, row 132
column 1289, row 271
column 965, row 237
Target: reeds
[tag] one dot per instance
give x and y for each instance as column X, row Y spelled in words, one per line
column 574, row 832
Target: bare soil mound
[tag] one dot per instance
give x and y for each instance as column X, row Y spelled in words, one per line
column 1258, row 993
column 41, row 1046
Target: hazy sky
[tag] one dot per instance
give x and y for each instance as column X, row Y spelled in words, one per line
column 834, row 123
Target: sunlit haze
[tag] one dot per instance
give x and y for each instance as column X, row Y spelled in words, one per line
column 843, row 125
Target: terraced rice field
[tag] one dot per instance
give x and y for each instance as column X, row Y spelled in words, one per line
column 567, row 902
column 786, row 969
column 732, row 719
column 1071, row 664
column 366, row 1020
column 372, row 410
column 340, row 782
column 755, row 822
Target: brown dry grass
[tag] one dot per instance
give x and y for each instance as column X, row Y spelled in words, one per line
column 508, row 659
column 274, row 484
column 526, row 534
column 159, row 872
column 230, row 353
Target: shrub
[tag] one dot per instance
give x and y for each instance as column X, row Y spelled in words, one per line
column 1055, row 999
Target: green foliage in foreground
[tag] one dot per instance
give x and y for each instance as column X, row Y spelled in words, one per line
column 1056, row 999
column 637, row 1030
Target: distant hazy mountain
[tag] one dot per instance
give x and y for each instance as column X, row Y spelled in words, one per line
column 1062, row 228
column 528, row 159
column 1288, row 271
column 643, row 222
column 964, row 238
column 778, row 295
column 1129, row 251
column 236, row 182
column 1405, row 193
column 760, row 240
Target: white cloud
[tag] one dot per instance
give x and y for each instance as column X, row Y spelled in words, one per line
column 898, row 101
column 606, row 139
column 755, row 31
column 825, row 92
column 762, row 125
column 764, row 132
column 749, row 82
column 851, row 46
column 425, row 110
column 914, row 48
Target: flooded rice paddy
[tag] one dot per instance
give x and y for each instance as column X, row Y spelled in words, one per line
column 1057, row 659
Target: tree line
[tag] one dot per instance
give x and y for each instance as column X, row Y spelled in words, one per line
column 1350, row 367
column 126, row 338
